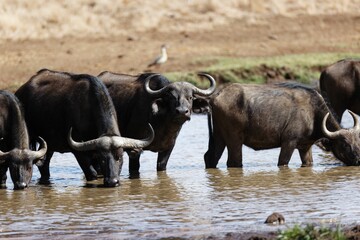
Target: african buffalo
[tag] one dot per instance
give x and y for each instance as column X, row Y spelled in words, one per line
column 286, row 115
column 15, row 153
column 152, row 98
column 61, row 105
column 340, row 85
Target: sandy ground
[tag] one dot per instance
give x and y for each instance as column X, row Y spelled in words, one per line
column 132, row 51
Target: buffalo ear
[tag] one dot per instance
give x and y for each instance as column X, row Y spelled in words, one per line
column 3, row 157
column 324, row 144
column 201, row 105
column 157, row 106
column 39, row 161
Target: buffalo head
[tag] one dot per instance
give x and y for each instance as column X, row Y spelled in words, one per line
column 344, row 143
column 20, row 163
column 176, row 99
column 105, row 144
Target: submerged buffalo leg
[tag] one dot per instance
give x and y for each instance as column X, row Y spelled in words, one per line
column 3, row 177
column 134, row 165
column 306, row 156
column 287, row 149
column 162, row 159
column 44, row 169
column 85, row 164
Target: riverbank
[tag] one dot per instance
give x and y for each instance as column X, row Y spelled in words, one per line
column 280, row 47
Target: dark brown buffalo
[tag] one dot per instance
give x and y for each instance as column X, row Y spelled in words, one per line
column 60, row 105
column 340, row 85
column 15, row 153
column 152, row 98
column 289, row 116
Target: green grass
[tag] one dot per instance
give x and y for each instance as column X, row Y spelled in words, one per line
column 305, row 68
column 311, row 232
column 293, row 60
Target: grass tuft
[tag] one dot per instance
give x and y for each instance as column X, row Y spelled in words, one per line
column 311, row 232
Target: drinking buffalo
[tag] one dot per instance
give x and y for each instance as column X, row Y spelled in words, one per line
column 15, row 154
column 61, row 106
column 289, row 116
column 152, row 98
column 340, row 84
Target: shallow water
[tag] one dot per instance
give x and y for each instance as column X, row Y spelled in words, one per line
column 185, row 201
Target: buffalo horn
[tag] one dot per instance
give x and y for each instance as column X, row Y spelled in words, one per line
column 208, row 91
column 101, row 142
column 32, row 154
column 107, row 142
column 356, row 121
column 327, row 133
column 134, row 143
column 149, row 90
column 42, row 151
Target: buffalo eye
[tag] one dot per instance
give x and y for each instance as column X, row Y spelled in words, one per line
column 346, row 147
column 28, row 167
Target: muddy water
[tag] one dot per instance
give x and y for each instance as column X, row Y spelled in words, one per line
column 186, row 200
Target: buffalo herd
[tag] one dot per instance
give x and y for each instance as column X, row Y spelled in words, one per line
column 98, row 118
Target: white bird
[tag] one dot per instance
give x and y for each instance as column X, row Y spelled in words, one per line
column 160, row 59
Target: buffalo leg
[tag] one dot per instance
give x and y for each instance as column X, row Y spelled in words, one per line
column 85, row 164
column 234, row 145
column 162, row 159
column 306, row 156
column 97, row 164
column 286, row 152
column 213, row 155
column 134, row 165
column 3, row 177
column 44, row 169
column 234, row 155
column 216, row 148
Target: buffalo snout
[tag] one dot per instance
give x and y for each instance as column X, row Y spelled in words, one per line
column 183, row 112
column 111, row 182
column 20, row 185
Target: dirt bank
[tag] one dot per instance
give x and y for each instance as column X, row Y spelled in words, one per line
column 278, row 35
column 89, row 36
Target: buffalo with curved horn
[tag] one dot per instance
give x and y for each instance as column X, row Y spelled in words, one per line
column 61, row 106
column 288, row 115
column 153, row 98
column 15, row 153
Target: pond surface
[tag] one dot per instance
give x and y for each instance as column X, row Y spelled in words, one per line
column 185, row 201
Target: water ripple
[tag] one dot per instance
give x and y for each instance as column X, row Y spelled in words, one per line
column 186, row 200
